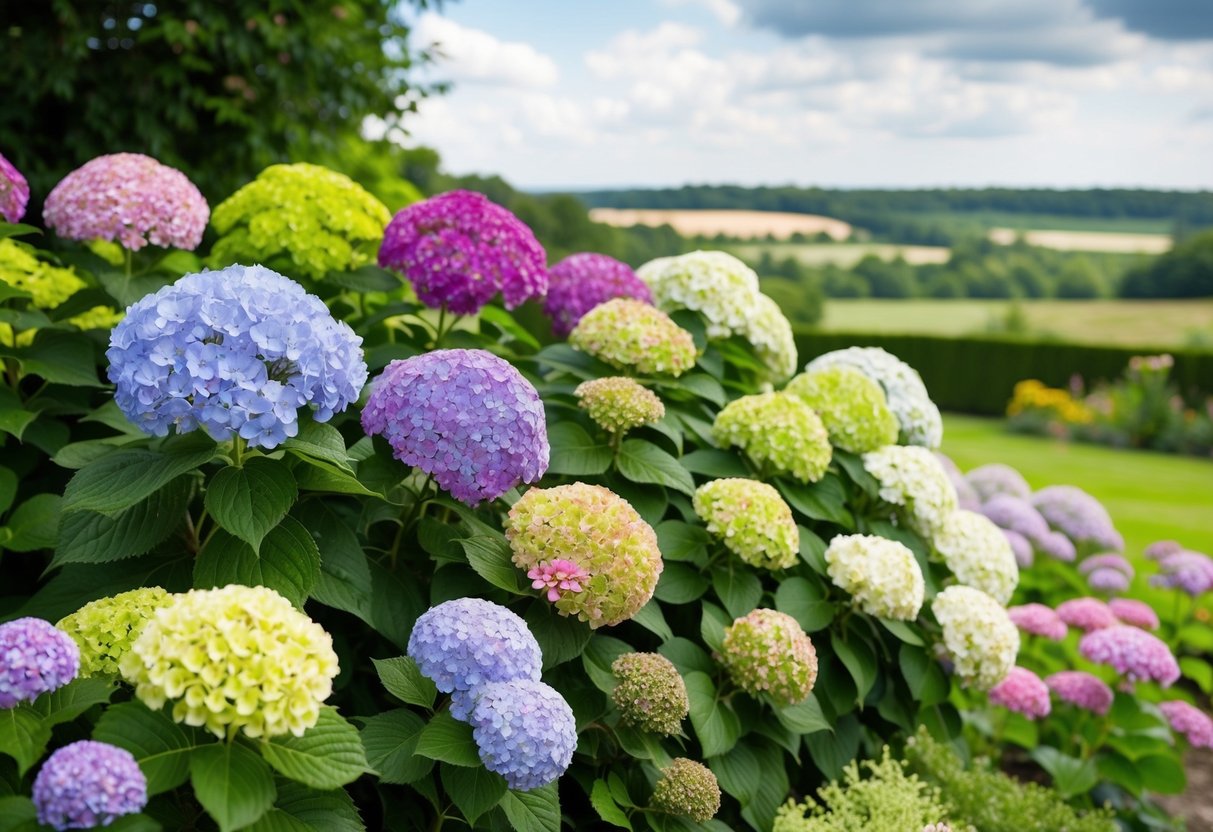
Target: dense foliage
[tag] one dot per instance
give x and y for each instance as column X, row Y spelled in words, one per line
column 1184, row 272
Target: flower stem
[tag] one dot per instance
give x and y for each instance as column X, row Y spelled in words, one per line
column 238, row 451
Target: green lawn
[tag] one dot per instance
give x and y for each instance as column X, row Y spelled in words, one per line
column 1150, row 496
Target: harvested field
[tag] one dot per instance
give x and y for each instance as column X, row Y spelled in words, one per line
column 743, row 225
column 1109, row 241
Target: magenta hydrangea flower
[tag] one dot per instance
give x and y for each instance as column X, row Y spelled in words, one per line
column 466, row 417
column 1022, row 547
column 1190, row 721
column 1134, row 653
column 580, row 282
column 1079, row 516
column 459, row 250
column 557, row 577
column 35, row 658
column 1086, row 614
column 1137, row 613
column 88, row 784
column 1082, row 690
column 131, row 199
column 1190, row 572
column 14, row 191
column 1038, row 620
column 1023, row 692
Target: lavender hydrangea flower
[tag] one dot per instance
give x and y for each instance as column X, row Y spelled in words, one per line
column 236, row 352
column 1159, row 549
column 1192, row 722
column 459, row 250
column 88, row 784
column 1137, row 613
column 14, row 191
column 1081, row 689
column 1015, row 514
column 525, row 732
column 1190, row 572
column 1078, row 516
column 1107, row 580
column 131, row 199
column 35, row 658
column 1023, row 692
column 581, row 281
column 466, row 417
column 1038, row 620
column 1057, row 546
column 991, row 480
column 1108, row 560
column 1134, row 653
column 1086, row 614
column 966, row 495
column 1025, row 555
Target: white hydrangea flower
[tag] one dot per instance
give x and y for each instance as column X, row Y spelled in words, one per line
column 913, row 479
column 979, row 635
column 717, row 285
column 771, row 334
column 882, row 575
column 978, row 553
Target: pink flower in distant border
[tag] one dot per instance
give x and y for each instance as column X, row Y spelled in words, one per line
column 557, row 576
column 14, row 191
column 1086, row 614
column 1038, row 620
column 1135, row 654
column 1138, row 613
column 1023, row 692
column 1082, row 689
column 1192, row 722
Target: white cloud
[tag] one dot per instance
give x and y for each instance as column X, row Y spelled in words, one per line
column 474, row 56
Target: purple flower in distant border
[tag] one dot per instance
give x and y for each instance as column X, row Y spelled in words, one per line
column 1107, row 560
column 1086, row 614
column 1038, row 620
column 1110, row 581
column 1191, row 572
column 994, row 479
column 1024, row 553
column 1023, row 692
column 1079, row 516
column 581, row 281
column 14, row 191
column 1057, row 546
column 88, row 784
column 459, row 250
column 1190, row 721
column 525, row 731
column 1082, row 690
column 1015, row 514
column 35, row 658
column 466, row 417
column 1134, row 653
column 1159, row 549
column 1137, row 613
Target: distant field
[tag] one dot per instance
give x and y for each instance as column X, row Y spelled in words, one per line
column 1111, row 241
column 1131, row 323
column 742, row 225
column 1024, row 222
column 842, row 254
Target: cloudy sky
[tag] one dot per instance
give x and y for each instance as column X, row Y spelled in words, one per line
column 557, row 93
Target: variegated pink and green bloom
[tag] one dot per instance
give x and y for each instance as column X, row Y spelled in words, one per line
column 14, row 191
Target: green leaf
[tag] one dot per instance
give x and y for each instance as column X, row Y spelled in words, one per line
column 391, row 740
column 345, row 575
column 715, row 463
column 680, row 584
column 92, row 537
column 364, row 279
column 490, row 557
column 33, row 525
column 402, row 678
column 599, row 654
column 643, row 462
column 314, row 476
column 276, row 820
column 317, row 440
column 288, row 562
column 804, row 717
column 902, row 631
column 824, row 500
column 687, row 656
column 73, row 699
column 507, row 323
column 160, row 746
column 127, row 476
column 858, row 657
column 1121, row 771
column 805, row 601
column 715, row 724
column 61, row 358
column 17, row 229
column 448, row 741
column 1161, row 773
column 535, row 811
column 606, row 807
column 575, row 453
column 14, row 418
column 17, row 813
column 1199, row 671
column 739, row 590
column 712, row 625
column 560, row 638
column 652, row 619
column 925, row 679
column 738, row 773
column 831, row 750
column 681, row 541
column 703, row 386
column 565, row 358
column 474, row 790
column 8, row 489
column 328, row 755
column 232, row 783
column 332, row 811
column 247, row 502
column 23, row 736
column 1071, row 776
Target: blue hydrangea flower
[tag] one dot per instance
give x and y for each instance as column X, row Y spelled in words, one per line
column 468, row 642
column 88, row 784
column 236, row 352
column 525, row 732
column 35, row 658
column 466, row 417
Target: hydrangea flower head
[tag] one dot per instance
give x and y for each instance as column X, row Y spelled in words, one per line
column 1135, row 654
column 1023, row 692
column 321, row 220
column 715, row 284
column 1078, row 516
column 1086, row 614
column 459, row 250
column 1082, row 690
column 88, row 784
column 650, row 693
column 14, row 192
column 1108, row 580
column 995, row 479
column 767, row 652
column 105, row 629
column 1159, row 549
column 978, row 554
column 618, row 404
column 1190, row 721
column 966, row 495
column 236, row 352
column 581, row 281
column 35, row 658
column 751, row 519
column 235, row 658
column 48, row 286
column 630, row 334
column 525, row 732
column 978, row 634
column 912, row 479
column 1189, row 572
column 465, row 417
column 1015, row 514
column 776, row 429
column 1057, row 546
column 556, row 578
column 1025, row 555
column 919, row 418
column 689, row 789
column 1107, row 560
column 1134, row 612
column 600, row 533
column 130, row 199
column 770, row 333
column 1038, row 620
column 851, row 405
column 881, row 575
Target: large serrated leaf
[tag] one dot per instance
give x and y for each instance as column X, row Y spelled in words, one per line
column 391, row 746
column 232, row 783
column 249, row 501
column 448, row 741
column 127, row 476
column 535, row 811
column 643, row 462
column 160, row 746
column 328, row 755
column 92, row 537
column 288, row 562
column 402, row 678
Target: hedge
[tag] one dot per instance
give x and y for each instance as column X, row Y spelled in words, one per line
column 977, row 374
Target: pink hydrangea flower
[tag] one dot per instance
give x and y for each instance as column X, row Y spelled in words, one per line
column 1023, row 692
column 129, row 198
column 14, row 191
column 1082, row 689
column 1192, row 722
column 1086, row 614
column 1161, row 548
column 557, row 576
column 1138, row 613
column 1038, row 620
column 1134, row 653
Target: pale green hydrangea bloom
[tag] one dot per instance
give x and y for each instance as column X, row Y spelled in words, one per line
column 48, row 286
column 881, row 575
column 105, row 629
column 779, row 429
column 618, row 404
column 630, row 334
column 322, row 220
column 979, row 635
column 752, row 520
column 771, row 334
column 650, row 693
column 851, row 405
column 914, row 480
column 689, row 789
column 715, row 284
column 978, row 554
column 767, row 652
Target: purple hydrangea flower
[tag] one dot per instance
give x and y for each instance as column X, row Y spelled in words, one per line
column 580, row 282
column 994, row 479
column 1107, row 560
column 1081, row 689
column 525, row 732
column 1137, row 613
column 466, row 417
column 14, row 191
column 966, row 495
column 1022, row 547
column 1057, row 546
column 1038, row 620
column 1086, row 614
column 458, row 250
column 88, row 784
column 468, row 642
column 35, row 658
column 1190, row 721
column 1106, row 579
column 1191, row 572
column 1134, row 653
column 1079, row 516
column 1023, row 692
column 1159, row 549
column 1015, row 514
column 131, row 199
column 236, row 352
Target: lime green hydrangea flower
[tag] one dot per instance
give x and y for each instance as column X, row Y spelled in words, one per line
column 320, row 219
column 239, row 658
column 751, row 519
column 771, row 334
column 630, row 334
column 594, row 534
column 881, row 575
column 767, row 652
column 978, row 553
column 687, row 788
column 779, row 429
column 619, row 404
column 650, row 693
column 105, row 629
column 48, row 286
column 851, row 405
